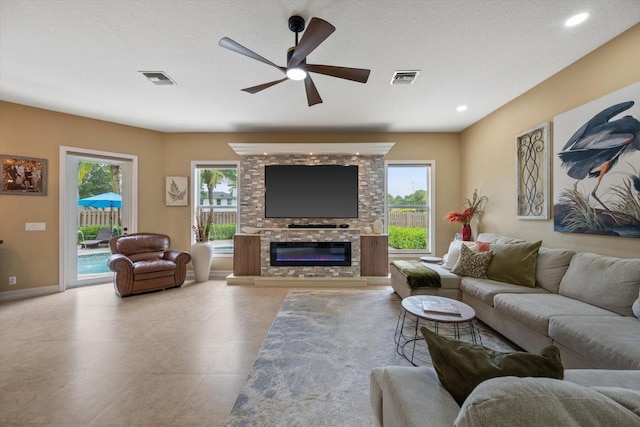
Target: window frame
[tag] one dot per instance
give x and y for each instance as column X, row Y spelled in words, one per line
column 430, row 208
column 195, row 194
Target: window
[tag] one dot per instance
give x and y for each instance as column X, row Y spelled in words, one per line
column 408, row 187
column 212, row 182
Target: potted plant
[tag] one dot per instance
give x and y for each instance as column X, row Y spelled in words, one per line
column 202, row 249
column 473, row 208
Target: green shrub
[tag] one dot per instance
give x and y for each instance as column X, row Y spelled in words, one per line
column 90, row 232
column 223, row 231
column 407, row 238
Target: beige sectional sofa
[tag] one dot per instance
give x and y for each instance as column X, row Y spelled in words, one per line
column 586, row 305
column 403, row 396
column 581, row 303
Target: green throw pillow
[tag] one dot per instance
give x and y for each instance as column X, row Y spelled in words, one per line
column 472, row 264
column 461, row 366
column 514, row 263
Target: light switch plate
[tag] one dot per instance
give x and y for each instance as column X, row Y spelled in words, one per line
column 35, row 226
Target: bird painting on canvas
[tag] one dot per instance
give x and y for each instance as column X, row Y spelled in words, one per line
column 595, row 151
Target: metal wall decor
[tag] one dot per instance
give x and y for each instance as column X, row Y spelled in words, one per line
column 532, row 172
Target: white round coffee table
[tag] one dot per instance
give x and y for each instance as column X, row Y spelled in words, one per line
column 460, row 326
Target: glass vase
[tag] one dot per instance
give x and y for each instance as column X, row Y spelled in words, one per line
column 466, row 232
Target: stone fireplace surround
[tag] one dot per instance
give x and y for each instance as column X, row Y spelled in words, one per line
column 370, row 205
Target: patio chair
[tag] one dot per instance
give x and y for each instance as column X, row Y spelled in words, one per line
column 104, row 235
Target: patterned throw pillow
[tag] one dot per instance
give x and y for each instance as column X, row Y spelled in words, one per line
column 472, row 264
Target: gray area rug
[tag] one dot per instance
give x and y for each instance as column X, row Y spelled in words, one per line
column 313, row 368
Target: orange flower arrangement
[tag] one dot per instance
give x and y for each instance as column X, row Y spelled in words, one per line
column 473, row 208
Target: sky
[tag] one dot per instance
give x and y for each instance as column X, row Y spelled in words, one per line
column 402, row 181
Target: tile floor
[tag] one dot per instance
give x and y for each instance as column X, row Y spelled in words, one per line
column 87, row 357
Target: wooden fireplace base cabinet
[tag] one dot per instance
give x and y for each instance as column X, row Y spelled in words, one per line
column 246, row 255
column 374, row 255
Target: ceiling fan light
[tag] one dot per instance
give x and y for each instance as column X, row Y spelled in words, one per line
column 296, row 73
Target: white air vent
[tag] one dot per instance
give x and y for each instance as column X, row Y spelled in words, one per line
column 158, row 78
column 404, row 77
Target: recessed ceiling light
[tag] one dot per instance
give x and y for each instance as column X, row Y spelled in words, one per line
column 461, row 108
column 576, row 19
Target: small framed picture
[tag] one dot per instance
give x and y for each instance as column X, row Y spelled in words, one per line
column 25, row 176
column 176, row 191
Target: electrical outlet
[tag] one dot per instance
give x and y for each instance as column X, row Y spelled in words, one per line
column 12, row 280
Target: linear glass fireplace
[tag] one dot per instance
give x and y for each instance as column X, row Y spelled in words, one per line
column 310, row 253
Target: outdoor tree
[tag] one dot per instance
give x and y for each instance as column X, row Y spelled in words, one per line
column 210, row 178
column 417, row 198
column 96, row 179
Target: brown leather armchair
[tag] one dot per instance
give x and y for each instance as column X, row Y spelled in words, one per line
column 143, row 262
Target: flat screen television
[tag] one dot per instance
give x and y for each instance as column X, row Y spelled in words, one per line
column 303, row 191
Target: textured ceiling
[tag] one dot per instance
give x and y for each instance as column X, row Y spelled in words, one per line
column 84, row 57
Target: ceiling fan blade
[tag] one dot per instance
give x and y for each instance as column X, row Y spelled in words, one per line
column 227, row 43
column 256, row 89
column 313, row 97
column 317, row 31
column 356, row 74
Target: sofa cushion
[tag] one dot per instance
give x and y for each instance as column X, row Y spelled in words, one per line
column 609, row 342
column 636, row 307
column 630, row 399
column 461, row 366
column 604, row 378
column 472, row 264
column 543, row 402
column 485, row 290
column 451, row 257
column 535, row 310
column 496, row 238
column 514, row 263
column 551, row 266
column 611, row 283
column 402, row 395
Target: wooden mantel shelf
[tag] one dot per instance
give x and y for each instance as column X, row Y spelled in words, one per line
column 353, row 148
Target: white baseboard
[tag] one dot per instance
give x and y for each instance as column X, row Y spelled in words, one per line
column 213, row 274
column 26, row 293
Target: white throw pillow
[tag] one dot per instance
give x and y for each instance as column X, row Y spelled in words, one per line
column 451, row 257
column 636, row 307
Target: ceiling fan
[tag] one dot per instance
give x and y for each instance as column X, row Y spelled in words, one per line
column 297, row 67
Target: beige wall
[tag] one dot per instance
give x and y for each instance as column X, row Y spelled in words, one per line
column 488, row 147
column 33, row 256
column 482, row 156
column 443, row 148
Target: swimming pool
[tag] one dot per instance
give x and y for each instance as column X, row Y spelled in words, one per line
column 97, row 263
column 93, row 263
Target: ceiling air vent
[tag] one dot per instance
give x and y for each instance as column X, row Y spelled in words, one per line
column 404, row 77
column 158, row 78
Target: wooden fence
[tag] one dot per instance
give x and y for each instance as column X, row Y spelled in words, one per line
column 408, row 219
column 99, row 217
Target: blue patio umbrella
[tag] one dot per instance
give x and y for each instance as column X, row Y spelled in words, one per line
column 104, row 200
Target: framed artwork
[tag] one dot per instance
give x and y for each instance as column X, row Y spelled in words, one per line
column 176, row 193
column 597, row 166
column 26, row 176
column 532, row 173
